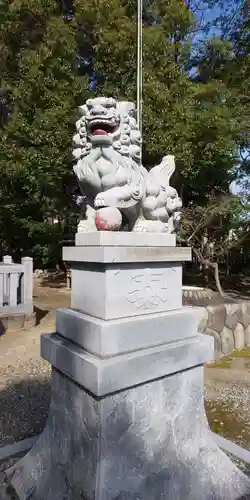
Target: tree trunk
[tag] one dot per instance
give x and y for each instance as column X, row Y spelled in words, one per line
column 214, row 266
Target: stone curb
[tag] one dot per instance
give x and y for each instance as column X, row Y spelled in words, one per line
column 229, row 324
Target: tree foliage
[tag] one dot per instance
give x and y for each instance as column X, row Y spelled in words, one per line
column 37, row 53
column 54, row 55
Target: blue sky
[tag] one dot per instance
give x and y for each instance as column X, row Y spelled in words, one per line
column 209, row 15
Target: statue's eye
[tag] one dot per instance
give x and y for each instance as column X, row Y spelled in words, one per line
column 110, row 103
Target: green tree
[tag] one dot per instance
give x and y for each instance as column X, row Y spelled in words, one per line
column 190, row 108
column 108, row 36
column 217, row 232
column 224, row 58
column 37, row 53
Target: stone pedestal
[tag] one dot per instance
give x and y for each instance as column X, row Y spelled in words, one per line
column 127, row 417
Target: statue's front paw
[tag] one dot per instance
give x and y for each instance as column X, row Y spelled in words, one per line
column 99, row 202
column 140, row 228
column 86, row 226
column 150, row 226
column 106, row 199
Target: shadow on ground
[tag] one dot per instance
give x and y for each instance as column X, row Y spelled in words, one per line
column 21, row 322
column 24, row 409
column 54, row 280
column 40, row 313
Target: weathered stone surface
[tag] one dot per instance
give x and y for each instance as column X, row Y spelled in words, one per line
column 30, row 320
column 109, row 338
column 217, row 317
column 231, row 321
column 17, row 322
column 232, row 308
column 239, row 337
column 117, row 255
column 148, row 442
column 104, row 376
column 247, row 336
column 204, row 320
column 217, row 342
column 124, row 290
column 244, row 314
column 122, row 238
column 232, row 315
column 227, row 340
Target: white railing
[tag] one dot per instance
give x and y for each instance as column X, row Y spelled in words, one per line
column 16, row 286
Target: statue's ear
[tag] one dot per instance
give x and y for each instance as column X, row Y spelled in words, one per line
column 83, row 110
column 125, row 108
column 89, row 103
column 133, row 114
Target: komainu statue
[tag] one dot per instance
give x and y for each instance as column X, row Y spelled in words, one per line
column 113, row 182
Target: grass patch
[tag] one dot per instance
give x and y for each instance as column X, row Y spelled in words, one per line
column 244, row 353
column 226, row 361
column 227, row 421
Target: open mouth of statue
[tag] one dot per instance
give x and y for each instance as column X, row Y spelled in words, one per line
column 102, row 127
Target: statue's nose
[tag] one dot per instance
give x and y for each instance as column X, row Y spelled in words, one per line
column 98, row 110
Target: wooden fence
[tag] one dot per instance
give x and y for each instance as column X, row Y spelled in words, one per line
column 16, row 286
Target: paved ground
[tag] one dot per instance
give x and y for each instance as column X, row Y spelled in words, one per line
column 24, row 376
column 25, row 381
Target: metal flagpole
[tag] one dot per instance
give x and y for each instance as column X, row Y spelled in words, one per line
column 139, row 65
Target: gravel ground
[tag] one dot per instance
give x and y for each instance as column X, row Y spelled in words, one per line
column 24, row 376
column 24, row 405
column 228, row 408
column 25, row 385
column 236, row 395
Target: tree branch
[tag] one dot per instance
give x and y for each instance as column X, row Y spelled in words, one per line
column 214, row 266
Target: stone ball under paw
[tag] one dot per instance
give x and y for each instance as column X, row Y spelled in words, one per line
column 108, row 219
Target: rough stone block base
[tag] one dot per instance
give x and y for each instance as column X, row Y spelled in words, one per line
column 149, row 442
column 17, row 322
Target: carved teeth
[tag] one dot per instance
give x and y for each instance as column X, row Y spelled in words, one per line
column 99, row 203
column 100, row 120
column 106, row 124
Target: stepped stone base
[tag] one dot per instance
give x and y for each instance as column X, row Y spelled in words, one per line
column 127, row 418
column 147, row 442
